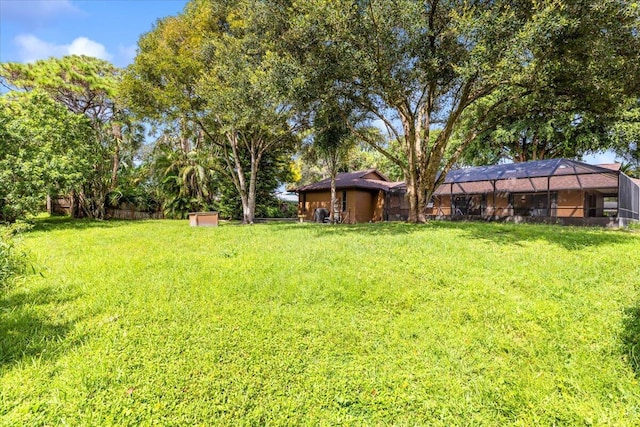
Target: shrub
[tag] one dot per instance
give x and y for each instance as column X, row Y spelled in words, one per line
column 13, row 261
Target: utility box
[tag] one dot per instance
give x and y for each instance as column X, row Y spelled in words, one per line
column 203, row 219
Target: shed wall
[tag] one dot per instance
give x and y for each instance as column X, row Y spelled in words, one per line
column 362, row 206
column 309, row 202
column 378, row 206
column 359, row 206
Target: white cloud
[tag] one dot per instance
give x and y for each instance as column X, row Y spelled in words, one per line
column 31, row 48
column 35, row 12
column 85, row 46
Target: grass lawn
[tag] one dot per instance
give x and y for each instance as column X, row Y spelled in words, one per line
column 158, row 323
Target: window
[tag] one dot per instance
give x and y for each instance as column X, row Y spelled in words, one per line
column 344, row 201
column 533, row 204
column 468, row 205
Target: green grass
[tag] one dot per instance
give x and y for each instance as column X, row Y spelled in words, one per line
column 158, row 323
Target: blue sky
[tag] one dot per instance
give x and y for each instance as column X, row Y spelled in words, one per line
column 107, row 29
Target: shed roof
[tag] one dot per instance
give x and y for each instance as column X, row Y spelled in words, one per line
column 370, row 179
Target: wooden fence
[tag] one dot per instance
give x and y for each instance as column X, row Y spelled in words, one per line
column 132, row 214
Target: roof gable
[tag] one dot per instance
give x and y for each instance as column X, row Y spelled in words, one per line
column 370, row 179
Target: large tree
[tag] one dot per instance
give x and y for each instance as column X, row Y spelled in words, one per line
column 587, row 71
column 417, row 66
column 87, row 87
column 45, row 150
column 528, row 134
column 214, row 66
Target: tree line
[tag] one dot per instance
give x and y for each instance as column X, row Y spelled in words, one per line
column 242, row 95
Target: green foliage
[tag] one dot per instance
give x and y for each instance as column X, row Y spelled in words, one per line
column 46, row 150
column 626, row 135
column 89, row 89
column 10, row 262
column 460, row 66
column 214, row 68
column 13, row 261
column 441, row 324
column 138, row 197
column 365, row 157
column 529, row 133
column 185, row 179
column 582, row 67
column 273, row 170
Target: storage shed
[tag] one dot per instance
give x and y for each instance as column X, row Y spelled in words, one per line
column 363, row 196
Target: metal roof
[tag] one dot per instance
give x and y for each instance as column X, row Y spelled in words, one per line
column 535, row 176
column 534, row 169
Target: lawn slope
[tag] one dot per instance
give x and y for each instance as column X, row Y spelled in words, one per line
column 299, row 324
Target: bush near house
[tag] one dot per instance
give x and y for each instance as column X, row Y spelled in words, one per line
column 155, row 322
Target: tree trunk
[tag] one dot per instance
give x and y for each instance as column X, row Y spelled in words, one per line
column 413, row 197
column 334, row 198
column 413, row 177
column 332, row 162
column 116, row 166
column 249, row 211
column 116, row 131
column 72, row 204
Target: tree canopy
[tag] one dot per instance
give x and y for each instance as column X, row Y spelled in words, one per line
column 452, row 65
column 469, row 81
column 587, row 69
column 214, row 66
column 45, row 150
column 87, row 87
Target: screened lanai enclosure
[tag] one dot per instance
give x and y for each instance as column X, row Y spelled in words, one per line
column 629, row 198
column 556, row 188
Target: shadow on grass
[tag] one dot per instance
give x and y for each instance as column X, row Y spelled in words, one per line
column 26, row 330
column 631, row 338
column 66, row 223
column 570, row 238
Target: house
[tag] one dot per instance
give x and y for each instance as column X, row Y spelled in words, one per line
column 363, row 196
column 560, row 190
column 555, row 188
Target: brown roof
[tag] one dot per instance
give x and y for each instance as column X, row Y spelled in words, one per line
column 369, row 179
column 612, row 166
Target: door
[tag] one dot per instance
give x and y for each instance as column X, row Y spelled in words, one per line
column 590, row 205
